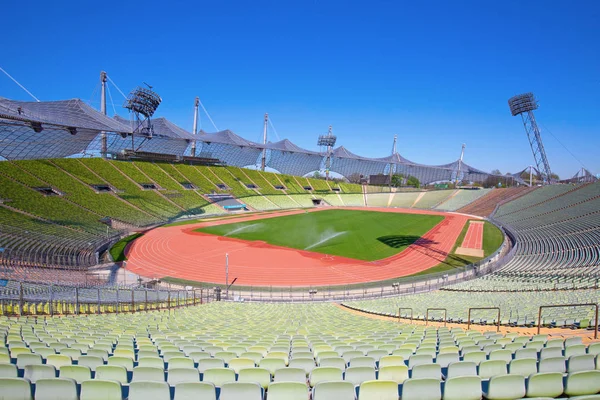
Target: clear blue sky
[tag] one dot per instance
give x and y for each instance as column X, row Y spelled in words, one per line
column 437, row 74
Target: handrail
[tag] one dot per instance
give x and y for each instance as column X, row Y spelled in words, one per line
column 436, row 309
column 405, row 308
column 484, row 308
column 569, row 305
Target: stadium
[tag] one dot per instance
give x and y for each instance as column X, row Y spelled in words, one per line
column 146, row 254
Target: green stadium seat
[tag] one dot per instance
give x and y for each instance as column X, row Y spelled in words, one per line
column 378, row 390
column 545, row 384
column 241, row 390
column 149, row 390
column 98, row 389
column 79, row 373
column 15, row 389
column 505, row 387
column 56, row 389
column 462, row 388
column 182, row 375
column 218, row 376
column 287, row 391
column 582, row 383
column 35, row 372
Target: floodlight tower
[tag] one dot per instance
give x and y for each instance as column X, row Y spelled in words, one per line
column 263, row 161
column 328, row 141
column 143, row 103
column 104, row 146
column 524, row 104
column 195, row 127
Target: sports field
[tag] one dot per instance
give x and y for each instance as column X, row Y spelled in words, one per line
column 362, row 235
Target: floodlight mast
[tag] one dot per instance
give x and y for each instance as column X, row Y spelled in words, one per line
column 327, row 141
column 524, row 104
column 143, row 103
column 104, row 146
column 263, row 161
column 195, row 126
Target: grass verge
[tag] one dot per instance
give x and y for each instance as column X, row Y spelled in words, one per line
column 117, row 252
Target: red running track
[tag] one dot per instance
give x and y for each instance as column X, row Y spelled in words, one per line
column 474, row 237
column 179, row 252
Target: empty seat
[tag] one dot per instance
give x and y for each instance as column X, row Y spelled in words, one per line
column 321, row 374
column 307, row 364
column 8, row 371
column 553, row 364
column 582, row 383
column 272, row 364
column 358, row 375
column 195, row 391
column 427, row 371
column 421, row 389
column 153, row 362
column 207, row 363
column 290, row 375
column 55, row 389
column 445, row 359
column 181, row 362
column 506, row 387
column 477, row 357
column 241, row 390
column 58, row 360
column 17, row 388
column 181, row 375
column 461, row 368
column 288, row 391
column 420, row 359
column 391, row 360
column 25, row 359
column 218, row 376
column 462, row 388
column 378, row 390
column 98, row 389
column 112, row 373
column 260, row 375
column 490, row 368
column 584, row 362
column 396, row 373
column 338, row 390
column 238, row 363
column 92, row 362
column 545, row 384
column 79, row 373
column 149, row 390
column 337, row 362
column 523, row 367
column 35, row 372
column 125, row 362
column 148, row 374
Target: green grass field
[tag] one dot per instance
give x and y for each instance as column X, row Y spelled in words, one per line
column 363, row 235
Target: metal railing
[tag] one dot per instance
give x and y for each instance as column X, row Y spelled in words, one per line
column 436, row 309
column 595, row 305
column 484, row 308
column 37, row 299
column 405, row 308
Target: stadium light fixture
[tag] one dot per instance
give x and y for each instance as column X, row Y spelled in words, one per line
column 143, row 101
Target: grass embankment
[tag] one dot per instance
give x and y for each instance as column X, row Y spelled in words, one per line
column 362, row 235
column 117, row 252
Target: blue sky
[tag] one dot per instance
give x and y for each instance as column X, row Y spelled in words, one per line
column 437, row 74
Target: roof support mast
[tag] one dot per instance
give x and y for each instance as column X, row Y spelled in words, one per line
column 460, row 161
column 104, row 145
column 195, row 127
column 263, row 161
column 392, row 164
